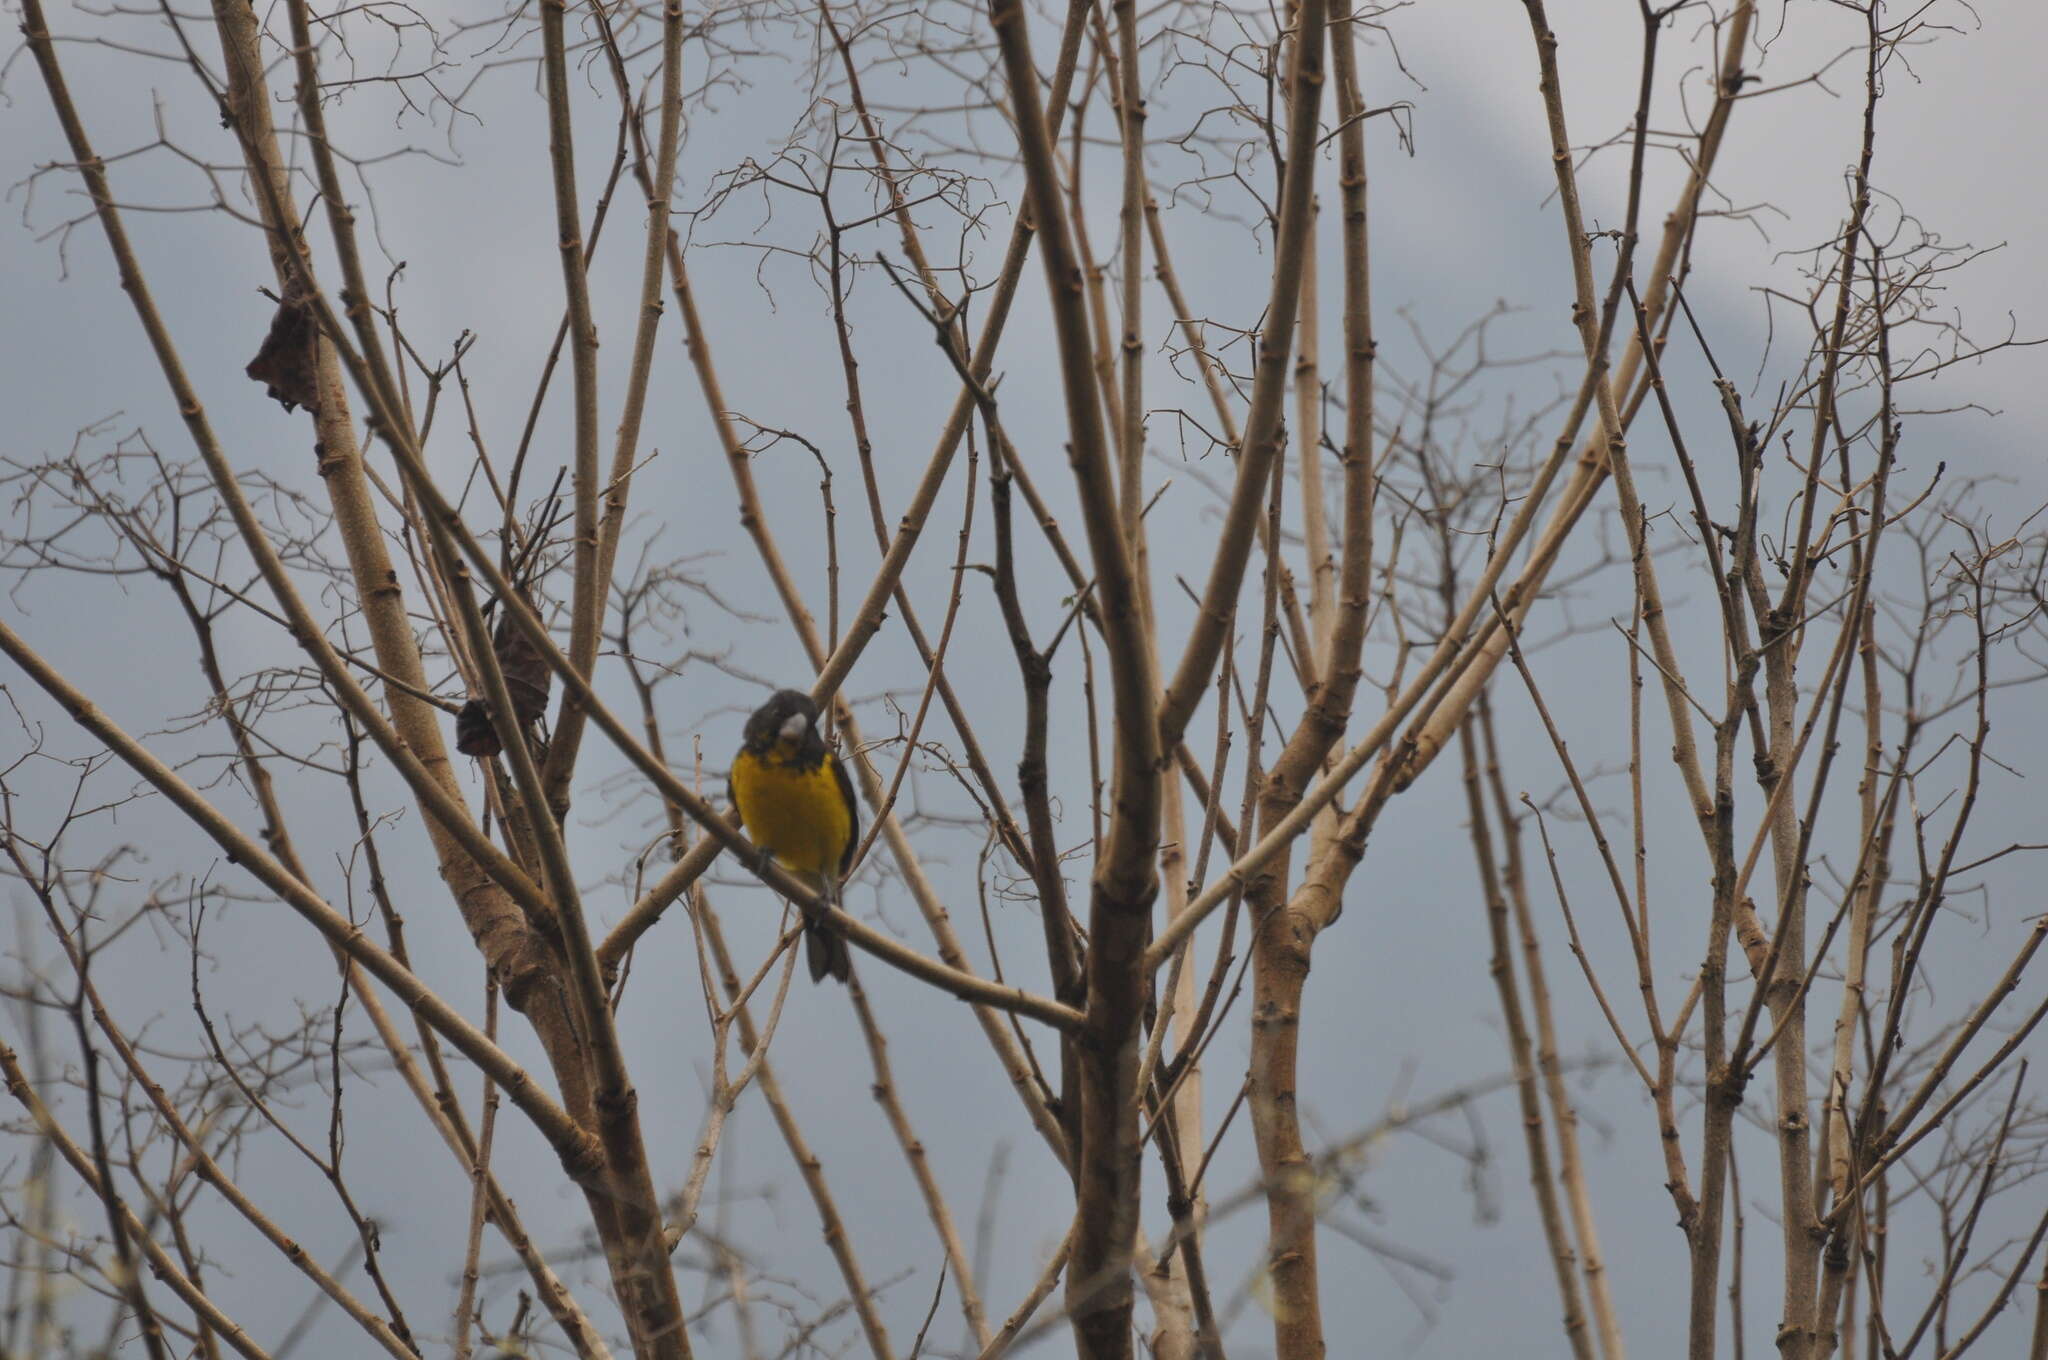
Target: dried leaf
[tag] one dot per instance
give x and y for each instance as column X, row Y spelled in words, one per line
column 474, row 733
column 527, row 678
column 285, row 364
column 526, row 673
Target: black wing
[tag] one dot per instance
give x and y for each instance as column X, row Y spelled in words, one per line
column 852, row 813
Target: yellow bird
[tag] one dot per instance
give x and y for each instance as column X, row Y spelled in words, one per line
column 797, row 805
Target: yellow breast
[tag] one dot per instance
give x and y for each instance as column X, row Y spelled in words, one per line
column 797, row 815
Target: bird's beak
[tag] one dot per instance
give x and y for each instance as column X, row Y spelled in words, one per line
column 793, row 727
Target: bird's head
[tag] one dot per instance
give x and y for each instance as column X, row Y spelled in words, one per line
column 787, row 721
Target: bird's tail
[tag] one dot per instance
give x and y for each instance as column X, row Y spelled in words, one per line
column 824, row 949
column 827, row 953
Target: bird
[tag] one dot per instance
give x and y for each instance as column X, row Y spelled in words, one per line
column 798, row 806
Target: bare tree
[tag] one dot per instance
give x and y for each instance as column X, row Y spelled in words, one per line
column 1123, row 742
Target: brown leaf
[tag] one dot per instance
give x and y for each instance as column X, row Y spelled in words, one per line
column 474, row 733
column 285, row 364
column 527, row 678
column 526, row 673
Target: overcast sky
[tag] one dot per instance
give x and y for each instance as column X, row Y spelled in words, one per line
column 1399, row 1003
